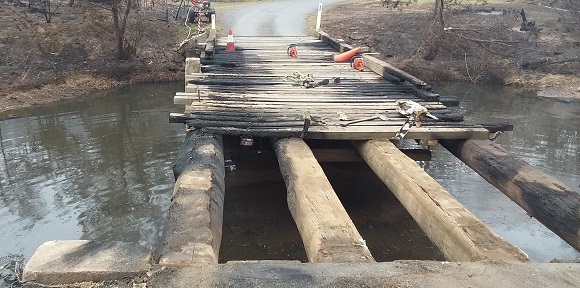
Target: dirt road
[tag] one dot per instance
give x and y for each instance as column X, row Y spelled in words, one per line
column 277, row 18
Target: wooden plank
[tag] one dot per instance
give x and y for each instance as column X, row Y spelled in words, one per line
column 350, row 155
column 318, row 119
column 449, row 101
column 342, row 75
column 543, row 197
column 388, row 132
column 457, row 232
column 298, row 100
column 381, row 67
column 355, row 133
column 303, row 97
column 339, row 46
column 425, row 95
column 210, row 44
column 257, row 105
column 326, row 229
column 353, row 90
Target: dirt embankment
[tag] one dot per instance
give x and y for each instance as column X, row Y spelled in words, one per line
column 480, row 44
column 75, row 54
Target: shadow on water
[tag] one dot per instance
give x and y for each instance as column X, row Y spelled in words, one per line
column 98, row 169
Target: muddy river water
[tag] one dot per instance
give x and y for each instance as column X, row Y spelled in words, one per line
column 101, row 169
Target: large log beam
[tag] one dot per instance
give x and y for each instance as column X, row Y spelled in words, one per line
column 194, row 229
column 457, row 232
column 542, row 196
column 329, row 235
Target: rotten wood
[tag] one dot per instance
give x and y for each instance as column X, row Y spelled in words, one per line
column 194, row 227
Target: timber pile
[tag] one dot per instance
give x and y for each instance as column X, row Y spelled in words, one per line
column 247, row 92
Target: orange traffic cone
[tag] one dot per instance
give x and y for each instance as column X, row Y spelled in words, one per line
column 230, row 47
column 346, row 56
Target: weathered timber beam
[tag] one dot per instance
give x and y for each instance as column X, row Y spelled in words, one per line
column 543, row 197
column 449, row 101
column 192, row 65
column 382, row 68
column 194, row 229
column 457, row 232
column 424, row 94
column 341, row 47
column 355, row 133
column 210, row 44
column 328, row 233
column 350, row 155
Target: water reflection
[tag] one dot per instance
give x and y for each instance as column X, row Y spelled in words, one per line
column 545, row 135
column 99, row 169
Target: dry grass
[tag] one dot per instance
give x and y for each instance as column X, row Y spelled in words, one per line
column 480, row 48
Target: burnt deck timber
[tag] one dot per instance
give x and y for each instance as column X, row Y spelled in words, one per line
column 246, row 93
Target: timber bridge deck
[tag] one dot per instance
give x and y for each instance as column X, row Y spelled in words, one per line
column 246, row 93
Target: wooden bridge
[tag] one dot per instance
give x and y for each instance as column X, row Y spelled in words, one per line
column 256, row 91
column 304, row 107
column 259, row 91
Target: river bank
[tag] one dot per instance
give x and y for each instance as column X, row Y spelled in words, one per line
column 73, row 56
column 479, row 44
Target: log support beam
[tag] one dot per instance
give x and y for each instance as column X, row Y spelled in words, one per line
column 328, row 233
column 457, row 232
column 543, row 197
column 194, row 229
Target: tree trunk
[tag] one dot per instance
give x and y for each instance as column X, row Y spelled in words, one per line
column 436, row 31
column 119, row 24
